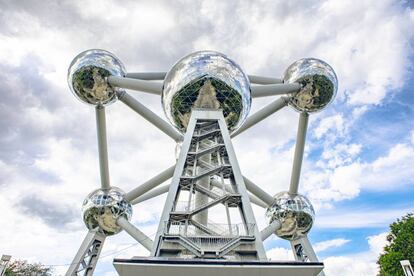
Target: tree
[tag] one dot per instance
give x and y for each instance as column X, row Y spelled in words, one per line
column 20, row 268
column 400, row 247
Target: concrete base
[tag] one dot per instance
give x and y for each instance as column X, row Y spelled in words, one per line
column 203, row 267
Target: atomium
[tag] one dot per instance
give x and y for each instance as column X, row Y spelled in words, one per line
column 295, row 214
column 206, row 80
column 102, row 208
column 87, row 76
column 319, row 84
column 209, row 90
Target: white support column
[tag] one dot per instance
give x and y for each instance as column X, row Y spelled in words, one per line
column 263, row 80
column 134, row 232
column 87, row 255
column 150, row 116
column 299, row 149
column 257, row 191
column 269, row 230
column 246, row 210
column 274, row 89
column 150, row 184
column 151, row 194
column 257, row 201
column 147, row 75
column 102, row 146
column 136, row 84
column 303, row 251
column 261, row 114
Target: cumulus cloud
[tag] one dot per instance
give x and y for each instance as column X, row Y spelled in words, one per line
column 324, row 245
column 280, row 253
column 357, row 264
column 359, row 218
column 53, row 214
column 341, row 175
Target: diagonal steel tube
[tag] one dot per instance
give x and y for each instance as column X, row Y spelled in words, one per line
column 150, row 184
column 269, row 230
column 299, row 149
column 274, row 89
column 136, row 84
column 150, row 116
column 255, row 200
column 257, row 191
column 262, row 114
column 164, row 189
column 147, row 75
column 161, row 76
column 102, row 146
column 151, row 194
column 134, row 232
column 263, row 80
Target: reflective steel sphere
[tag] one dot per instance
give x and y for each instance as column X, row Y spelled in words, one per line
column 295, row 213
column 87, row 76
column 207, row 80
column 319, row 84
column 102, row 208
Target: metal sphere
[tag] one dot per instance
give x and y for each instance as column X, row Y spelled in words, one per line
column 87, row 76
column 207, row 80
column 319, row 84
column 295, row 214
column 102, row 208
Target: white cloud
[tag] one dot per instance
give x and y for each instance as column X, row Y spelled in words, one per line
column 340, row 33
column 340, row 176
column 360, row 218
column 339, row 155
column 385, row 173
column 363, row 264
column 333, row 123
column 280, row 253
column 324, row 245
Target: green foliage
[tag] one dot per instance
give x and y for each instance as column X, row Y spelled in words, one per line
column 23, row 268
column 400, row 247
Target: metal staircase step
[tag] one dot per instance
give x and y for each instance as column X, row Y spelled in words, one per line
column 206, row 173
column 205, row 151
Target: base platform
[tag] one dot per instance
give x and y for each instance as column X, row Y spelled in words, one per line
column 202, row 267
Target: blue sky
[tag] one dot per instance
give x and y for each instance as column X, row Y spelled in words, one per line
column 359, row 153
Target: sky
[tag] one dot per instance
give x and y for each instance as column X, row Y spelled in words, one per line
column 359, row 153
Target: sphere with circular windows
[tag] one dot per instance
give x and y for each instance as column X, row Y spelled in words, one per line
column 319, row 84
column 88, row 73
column 295, row 214
column 102, row 208
column 206, row 80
